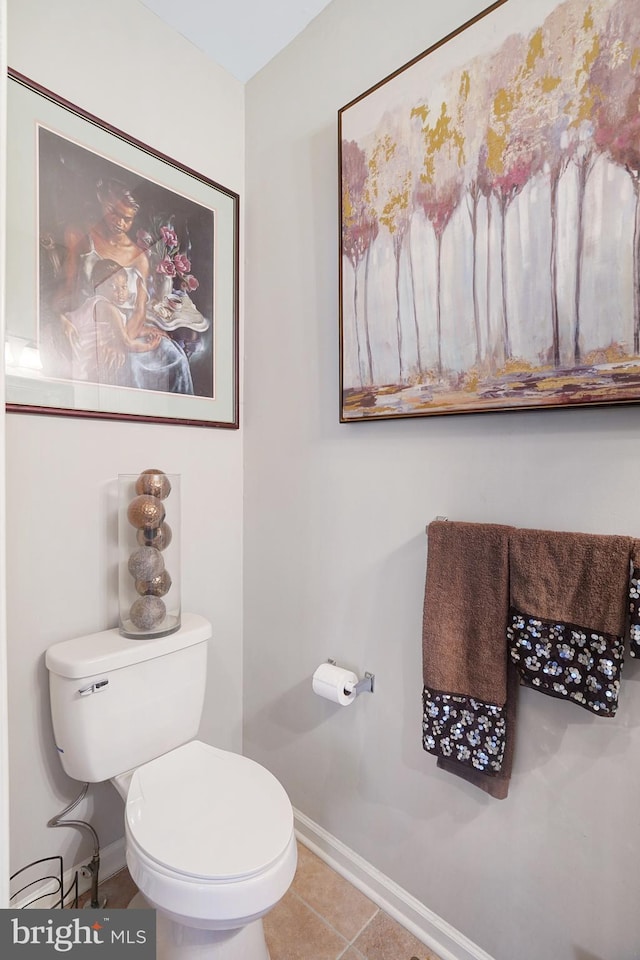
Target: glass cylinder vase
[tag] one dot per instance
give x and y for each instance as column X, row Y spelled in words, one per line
column 149, row 593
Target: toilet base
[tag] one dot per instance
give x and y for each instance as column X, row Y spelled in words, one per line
column 177, row 942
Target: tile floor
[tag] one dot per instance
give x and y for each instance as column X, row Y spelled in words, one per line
column 322, row 917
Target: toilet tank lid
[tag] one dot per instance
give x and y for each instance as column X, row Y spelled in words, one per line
column 108, row 650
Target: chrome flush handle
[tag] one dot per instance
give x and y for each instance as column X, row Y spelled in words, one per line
column 92, row 688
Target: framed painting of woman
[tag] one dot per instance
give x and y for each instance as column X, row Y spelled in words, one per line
column 122, row 274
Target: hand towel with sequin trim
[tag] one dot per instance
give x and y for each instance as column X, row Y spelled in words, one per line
column 634, row 601
column 467, row 715
column 569, row 598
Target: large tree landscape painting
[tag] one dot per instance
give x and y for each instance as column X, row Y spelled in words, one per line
column 490, row 218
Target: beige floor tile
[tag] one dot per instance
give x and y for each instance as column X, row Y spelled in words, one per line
column 384, row 939
column 341, row 905
column 295, row 928
column 294, row 932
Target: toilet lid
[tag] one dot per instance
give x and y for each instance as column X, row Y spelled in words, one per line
column 208, row 813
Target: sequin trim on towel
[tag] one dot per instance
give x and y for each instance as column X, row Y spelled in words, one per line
column 465, row 730
column 634, row 613
column 567, row 661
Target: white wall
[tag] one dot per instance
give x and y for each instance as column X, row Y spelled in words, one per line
column 4, row 708
column 335, row 557
column 121, row 63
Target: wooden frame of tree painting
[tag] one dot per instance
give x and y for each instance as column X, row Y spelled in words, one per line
column 490, row 218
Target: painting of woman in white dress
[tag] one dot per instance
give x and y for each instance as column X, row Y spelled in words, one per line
column 91, row 211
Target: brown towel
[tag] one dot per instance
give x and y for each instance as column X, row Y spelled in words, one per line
column 569, row 605
column 634, row 601
column 467, row 713
column 496, row 786
column 465, row 610
column 571, row 577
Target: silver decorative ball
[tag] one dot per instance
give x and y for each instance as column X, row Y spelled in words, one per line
column 145, row 563
column 160, row 538
column 157, row 587
column 154, row 482
column 147, row 612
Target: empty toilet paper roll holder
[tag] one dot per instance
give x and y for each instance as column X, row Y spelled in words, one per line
column 362, row 686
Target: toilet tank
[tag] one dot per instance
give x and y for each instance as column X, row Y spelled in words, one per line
column 117, row 703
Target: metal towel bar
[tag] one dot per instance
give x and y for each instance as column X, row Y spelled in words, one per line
column 426, row 529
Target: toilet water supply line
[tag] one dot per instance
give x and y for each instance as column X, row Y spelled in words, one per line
column 93, row 868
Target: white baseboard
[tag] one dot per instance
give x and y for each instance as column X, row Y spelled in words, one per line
column 423, row 923
column 46, row 893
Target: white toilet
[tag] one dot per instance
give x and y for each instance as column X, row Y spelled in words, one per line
column 209, row 834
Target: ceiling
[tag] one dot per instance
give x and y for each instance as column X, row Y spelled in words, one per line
column 240, row 35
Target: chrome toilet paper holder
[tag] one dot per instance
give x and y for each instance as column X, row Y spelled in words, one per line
column 362, row 686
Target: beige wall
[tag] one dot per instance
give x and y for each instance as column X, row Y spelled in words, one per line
column 4, row 739
column 335, row 557
column 121, row 63
column 333, row 519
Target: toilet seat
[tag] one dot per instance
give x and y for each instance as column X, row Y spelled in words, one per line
column 203, row 812
column 204, row 825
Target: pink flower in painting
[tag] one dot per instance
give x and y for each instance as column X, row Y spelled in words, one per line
column 166, row 267
column 189, row 282
column 169, row 236
column 167, row 259
column 182, row 263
